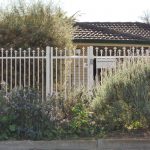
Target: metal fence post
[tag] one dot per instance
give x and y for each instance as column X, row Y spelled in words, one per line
column 51, row 72
column 90, row 67
column 48, row 73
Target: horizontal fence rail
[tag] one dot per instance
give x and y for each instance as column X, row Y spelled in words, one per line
column 53, row 71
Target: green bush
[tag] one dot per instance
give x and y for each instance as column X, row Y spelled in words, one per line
column 6, row 119
column 123, row 101
column 74, row 114
column 81, row 122
column 31, row 119
column 24, row 116
column 35, row 24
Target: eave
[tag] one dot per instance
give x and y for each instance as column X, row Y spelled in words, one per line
column 96, row 41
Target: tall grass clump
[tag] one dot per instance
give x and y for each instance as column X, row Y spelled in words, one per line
column 123, row 101
column 35, row 24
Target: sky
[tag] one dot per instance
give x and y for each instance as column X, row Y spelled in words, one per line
column 101, row 10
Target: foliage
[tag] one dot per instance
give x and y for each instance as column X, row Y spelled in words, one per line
column 35, row 24
column 81, row 122
column 123, row 101
column 74, row 114
column 24, row 116
column 6, row 125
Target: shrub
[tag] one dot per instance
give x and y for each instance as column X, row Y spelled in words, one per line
column 6, row 126
column 74, row 114
column 123, row 101
column 25, row 116
column 35, row 24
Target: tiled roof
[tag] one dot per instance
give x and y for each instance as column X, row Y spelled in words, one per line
column 112, row 32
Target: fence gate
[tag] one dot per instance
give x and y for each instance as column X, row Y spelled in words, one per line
column 70, row 69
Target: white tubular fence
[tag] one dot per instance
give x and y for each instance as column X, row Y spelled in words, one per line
column 54, row 71
column 23, row 68
column 108, row 59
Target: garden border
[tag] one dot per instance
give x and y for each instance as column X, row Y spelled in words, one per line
column 100, row 144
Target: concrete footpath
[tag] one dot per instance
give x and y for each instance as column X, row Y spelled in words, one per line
column 101, row 144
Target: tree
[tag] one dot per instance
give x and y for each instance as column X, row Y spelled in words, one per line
column 35, row 25
column 146, row 17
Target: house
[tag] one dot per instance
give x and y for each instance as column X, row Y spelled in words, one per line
column 111, row 39
column 112, row 34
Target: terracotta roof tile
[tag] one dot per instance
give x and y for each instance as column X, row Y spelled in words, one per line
column 121, row 31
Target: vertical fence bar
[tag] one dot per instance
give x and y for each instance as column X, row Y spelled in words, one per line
column 133, row 51
column 105, row 48
column 79, row 64
column 90, row 67
column 61, row 69
column 129, row 57
column 119, row 53
column 24, row 68
column 110, row 69
column 11, row 69
column 124, row 54
column 115, row 53
column 106, row 54
column 142, row 53
column 38, row 68
column 70, row 69
column 83, row 49
column 106, row 69
column 15, row 68
column 96, row 77
column 2, row 65
column 56, row 70
column 74, row 66
column 138, row 54
column 33, row 68
column 51, row 73
column 124, row 51
column 101, row 71
column 20, row 68
column 43, row 76
column 48, row 77
column 65, row 74
column 29, row 64
column 147, row 54
column 6, row 71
